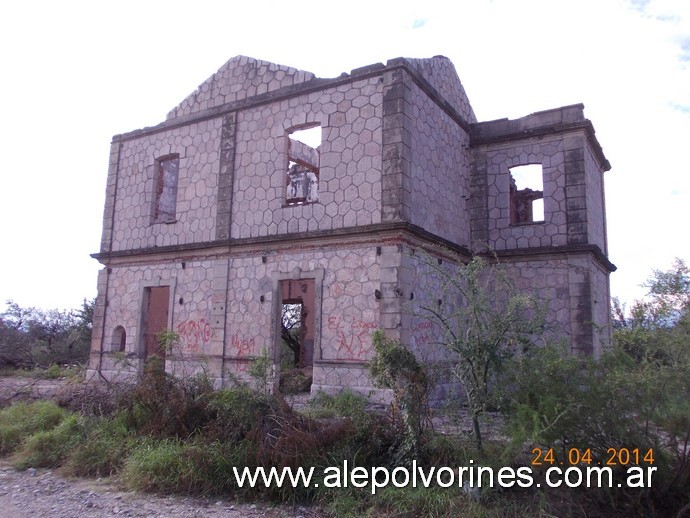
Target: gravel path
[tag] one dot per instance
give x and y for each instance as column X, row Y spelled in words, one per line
column 45, row 493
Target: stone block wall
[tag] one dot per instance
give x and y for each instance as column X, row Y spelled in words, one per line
column 135, row 177
column 574, row 291
column 494, row 163
column 440, row 161
column 596, row 207
column 349, row 183
column 238, row 79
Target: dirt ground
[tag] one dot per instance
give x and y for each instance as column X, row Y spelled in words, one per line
column 45, row 493
column 37, row 493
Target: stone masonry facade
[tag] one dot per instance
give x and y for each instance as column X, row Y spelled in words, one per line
column 226, row 212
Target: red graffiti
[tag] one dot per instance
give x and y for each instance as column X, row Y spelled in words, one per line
column 353, row 344
column 194, row 334
column 244, row 346
column 427, row 324
column 420, row 330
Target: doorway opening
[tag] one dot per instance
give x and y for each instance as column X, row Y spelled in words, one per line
column 297, row 335
column 156, row 309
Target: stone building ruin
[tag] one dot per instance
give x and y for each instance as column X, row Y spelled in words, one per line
column 270, row 188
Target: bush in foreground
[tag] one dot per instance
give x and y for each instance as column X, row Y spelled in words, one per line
column 21, row 420
column 50, row 448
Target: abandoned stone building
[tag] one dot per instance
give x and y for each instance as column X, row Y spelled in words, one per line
column 270, row 188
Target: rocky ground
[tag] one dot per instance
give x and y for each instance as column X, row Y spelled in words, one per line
column 45, row 493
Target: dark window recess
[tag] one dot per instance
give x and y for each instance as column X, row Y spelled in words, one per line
column 167, row 172
column 303, row 166
column 526, row 194
column 119, row 341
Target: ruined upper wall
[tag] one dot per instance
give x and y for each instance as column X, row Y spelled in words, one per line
column 232, row 180
column 240, row 78
column 563, row 143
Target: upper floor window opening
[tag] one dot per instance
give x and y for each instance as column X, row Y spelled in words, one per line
column 526, row 194
column 303, row 154
column 165, row 202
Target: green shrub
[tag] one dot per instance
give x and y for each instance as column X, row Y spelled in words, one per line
column 103, row 451
column 420, row 501
column 566, row 402
column 52, row 372
column 174, row 466
column 262, row 371
column 395, row 367
column 21, row 420
column 235, row 411
column 49, row 448
column 295, row 381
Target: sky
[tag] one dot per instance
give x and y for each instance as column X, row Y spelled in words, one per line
column 75, row 73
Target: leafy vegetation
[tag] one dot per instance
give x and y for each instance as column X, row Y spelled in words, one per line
column 395, row 367
column 31, row 338
column 635, row 397
column 22, row 420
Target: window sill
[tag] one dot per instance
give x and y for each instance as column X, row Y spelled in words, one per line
column 299, row 204
column 527, row 223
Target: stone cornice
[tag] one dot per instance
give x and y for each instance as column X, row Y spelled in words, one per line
column 548, row 252
column 373, row 234
column 537, row 125
column 370, row 234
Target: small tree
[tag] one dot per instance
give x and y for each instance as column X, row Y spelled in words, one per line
column 485, row 320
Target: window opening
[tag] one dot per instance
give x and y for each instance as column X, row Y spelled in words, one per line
column 526, row 194
column 167, row 172
column 303, row 152
column 119, row 340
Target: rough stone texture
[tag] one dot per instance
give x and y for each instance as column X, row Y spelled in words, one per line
column 198, row 146
column 500, row 234
column 440, row 151
column 441, row 75
column 240, row 78
column 403, row 164
column 350, row 162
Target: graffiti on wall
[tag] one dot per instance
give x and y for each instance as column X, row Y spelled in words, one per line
column 421, row 332
column 194, row 334
column 353, row 338
column 243, row 346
